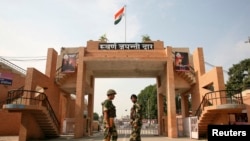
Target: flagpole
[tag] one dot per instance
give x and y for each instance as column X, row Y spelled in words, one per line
column 125, row 21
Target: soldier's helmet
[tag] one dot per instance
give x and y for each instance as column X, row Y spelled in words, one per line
column 111, row 91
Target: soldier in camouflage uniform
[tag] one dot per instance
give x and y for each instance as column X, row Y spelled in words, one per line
column 136, row 119
column 109, row 114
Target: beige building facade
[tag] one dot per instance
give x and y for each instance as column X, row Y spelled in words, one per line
column 45, row 100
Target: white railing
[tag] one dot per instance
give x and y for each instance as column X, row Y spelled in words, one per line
column 13, row 66
column 146, row 129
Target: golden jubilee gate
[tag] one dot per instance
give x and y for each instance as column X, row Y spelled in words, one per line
column 128, row 60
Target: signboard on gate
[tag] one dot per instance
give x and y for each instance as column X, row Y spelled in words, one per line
column 126, row 46
column 5, row 78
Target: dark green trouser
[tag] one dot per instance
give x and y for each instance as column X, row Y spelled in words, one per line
column 135, row 134
column 110, row 133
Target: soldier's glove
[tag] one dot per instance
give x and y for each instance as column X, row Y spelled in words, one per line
column 131, row 122
column 107, row 126
column 135, row 126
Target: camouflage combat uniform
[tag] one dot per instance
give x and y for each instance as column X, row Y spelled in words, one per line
column 111, row 132
column 136, row 122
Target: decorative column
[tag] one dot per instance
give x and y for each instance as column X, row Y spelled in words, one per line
column 80, row 93
column 51, row 62
column 91, row 105
column 160, row 105
column 184, row 105
column 199, row 62
column 29, row 85
column 23, row 131
column 170, row 94
column 199, row 68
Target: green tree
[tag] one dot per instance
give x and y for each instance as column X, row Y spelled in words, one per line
column 239, row 76
column 95, row 116
column 178, row 103
column 103, row 38
column 145, row 38
column 148, row 97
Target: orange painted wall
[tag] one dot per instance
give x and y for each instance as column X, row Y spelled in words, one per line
column 9, row 122
column 246, row 101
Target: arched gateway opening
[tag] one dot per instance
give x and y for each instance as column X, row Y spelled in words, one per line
column 125, row 87
column 129, row 60
column 66, row 102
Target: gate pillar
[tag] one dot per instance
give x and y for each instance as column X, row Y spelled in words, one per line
column 170, row 94
column 80, row 93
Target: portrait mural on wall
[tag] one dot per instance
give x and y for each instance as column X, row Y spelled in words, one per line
column 69, row 63
column 181, row 61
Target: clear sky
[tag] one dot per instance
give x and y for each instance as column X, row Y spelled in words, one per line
column 29, row 27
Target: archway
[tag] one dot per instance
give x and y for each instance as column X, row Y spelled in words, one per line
column 127, row 60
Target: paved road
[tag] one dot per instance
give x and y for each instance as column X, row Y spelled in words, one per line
column 98, row 137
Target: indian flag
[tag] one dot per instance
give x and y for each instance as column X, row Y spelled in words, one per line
column 118, row 15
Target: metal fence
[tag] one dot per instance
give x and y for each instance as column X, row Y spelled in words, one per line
column 147, row 129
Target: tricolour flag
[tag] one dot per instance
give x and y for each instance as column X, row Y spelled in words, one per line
column 118, row 15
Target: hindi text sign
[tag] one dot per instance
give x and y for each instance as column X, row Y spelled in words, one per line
column 126, row 46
